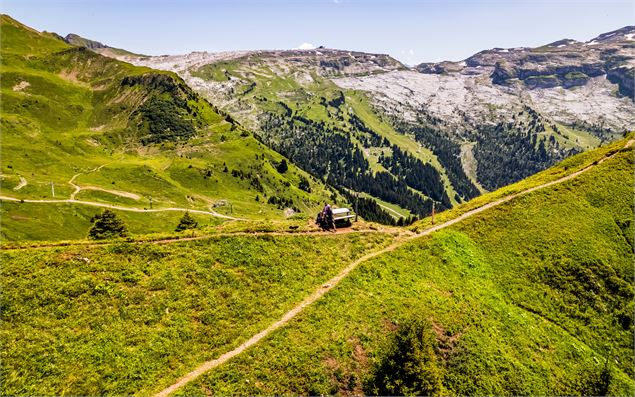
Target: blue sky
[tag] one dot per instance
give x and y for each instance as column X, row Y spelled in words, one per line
column 412, row 31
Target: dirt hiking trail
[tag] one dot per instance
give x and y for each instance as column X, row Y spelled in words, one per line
column 171, row 240
column 121, row 208
column 400, row 240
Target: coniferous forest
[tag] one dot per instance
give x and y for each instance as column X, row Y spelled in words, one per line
column 329, row 153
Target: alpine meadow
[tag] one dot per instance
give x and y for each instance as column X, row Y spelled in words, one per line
column 312, row 221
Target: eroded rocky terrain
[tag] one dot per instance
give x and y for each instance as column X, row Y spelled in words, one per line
column 568, row 81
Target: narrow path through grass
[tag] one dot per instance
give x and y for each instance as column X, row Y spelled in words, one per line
column 171, row 240
column 339, row 277
column 22, row 184
column 122, row 208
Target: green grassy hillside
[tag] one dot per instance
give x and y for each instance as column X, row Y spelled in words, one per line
column 533, row 297
column 123, row 318
column 57, row 222
column 78, row 125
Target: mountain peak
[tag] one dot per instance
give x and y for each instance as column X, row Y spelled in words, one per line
column 562, row 43
column 564, row 63
column 74, row 39
column 96, row 46
column 627, row 32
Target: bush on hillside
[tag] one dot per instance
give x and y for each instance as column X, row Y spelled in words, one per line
column 410, row 364
column 187, row 222
column 282, row 166
column 107, row 225
column 304, row 184
column 597, row 383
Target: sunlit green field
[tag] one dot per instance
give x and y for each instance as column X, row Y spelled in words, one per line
column 533, row 297
column 74, row 124
column 125, row 318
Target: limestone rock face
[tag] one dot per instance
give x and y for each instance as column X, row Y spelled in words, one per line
column 564, row 63
column 588, row 83
column 624, row 77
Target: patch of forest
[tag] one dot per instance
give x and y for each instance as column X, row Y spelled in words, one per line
column 329, row 153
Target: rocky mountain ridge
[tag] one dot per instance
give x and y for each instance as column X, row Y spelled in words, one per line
column 567, row 80
column 325, row 61
column 477, row 126
column 565, row 63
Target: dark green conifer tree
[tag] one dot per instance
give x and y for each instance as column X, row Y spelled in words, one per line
column 107, row 225
column 187, row 222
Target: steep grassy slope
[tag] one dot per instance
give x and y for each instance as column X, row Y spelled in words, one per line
column 128, row 318
column 80, row 125
column 565, row 168
column 534, row 297
column 531, row 313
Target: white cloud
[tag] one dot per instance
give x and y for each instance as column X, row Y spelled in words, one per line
column 305, row 46
column 407, row 56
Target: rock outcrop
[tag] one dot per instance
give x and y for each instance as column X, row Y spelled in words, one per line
column 624, row 77
column 565, row 63
column 77, row 40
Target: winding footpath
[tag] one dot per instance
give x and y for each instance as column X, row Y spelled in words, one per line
column 315, row 232
column 21, row 184
column 122, row 208
column 120, row 193
column 339, row 277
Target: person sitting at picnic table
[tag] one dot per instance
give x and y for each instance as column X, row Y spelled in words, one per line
column 327, row 215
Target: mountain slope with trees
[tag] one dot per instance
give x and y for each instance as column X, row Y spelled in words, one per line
column 80, row 125
column 471, row 129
